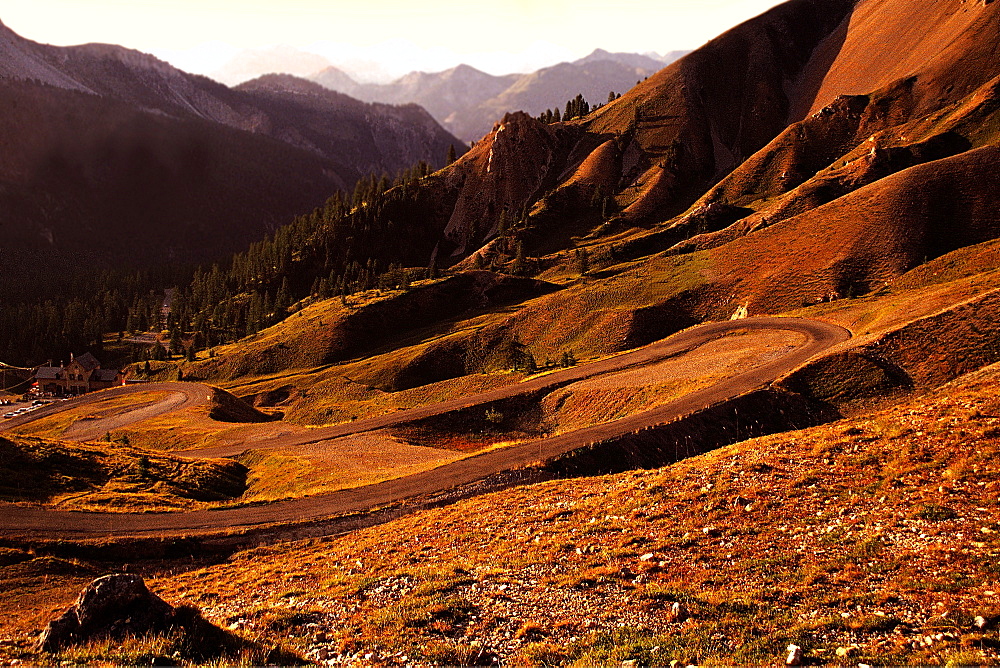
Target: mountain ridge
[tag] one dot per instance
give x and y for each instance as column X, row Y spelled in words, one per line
column 151, row 128
column 810, row 163
column 468, row 101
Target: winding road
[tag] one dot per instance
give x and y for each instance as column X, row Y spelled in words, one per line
column 20, row 521
column 179, row 396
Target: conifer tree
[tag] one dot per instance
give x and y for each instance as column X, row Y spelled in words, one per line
column 520, row 266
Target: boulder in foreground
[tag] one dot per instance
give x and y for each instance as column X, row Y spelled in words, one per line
column 120, row 606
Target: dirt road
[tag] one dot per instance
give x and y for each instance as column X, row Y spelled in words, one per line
column 181, row 395
column 22, row 521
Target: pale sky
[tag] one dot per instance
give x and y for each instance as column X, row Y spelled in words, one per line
column 499, row 36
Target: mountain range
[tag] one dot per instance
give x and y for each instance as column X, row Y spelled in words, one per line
column 112, row 157
column 816, row 186
column 789, row 162
column 784, row 129
column 467, row 101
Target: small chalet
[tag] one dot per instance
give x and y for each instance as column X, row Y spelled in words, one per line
column 83, row 374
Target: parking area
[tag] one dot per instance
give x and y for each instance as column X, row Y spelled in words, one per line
column 12, row 408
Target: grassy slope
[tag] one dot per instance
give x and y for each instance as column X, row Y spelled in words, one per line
column 766, row 542
column 871, row 533
column 877, row 532
column 111, row 476
column 55, row 425
column 629, row 305
column 878, row 535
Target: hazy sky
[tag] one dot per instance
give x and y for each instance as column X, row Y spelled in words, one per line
column 500, row 36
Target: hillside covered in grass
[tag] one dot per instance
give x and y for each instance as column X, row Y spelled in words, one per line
column 875, row 537
column 835, row 160
column 817, row 171
column 111, row 476
column 869, row 540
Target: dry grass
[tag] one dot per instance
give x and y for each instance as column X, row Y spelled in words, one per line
column 111, row 476
column 38, row 588
column 176, row 430
column 352, row 461
column 878, row 534
column 56, row 425
column 625, row 393
column 927, row 289
column 591, row 318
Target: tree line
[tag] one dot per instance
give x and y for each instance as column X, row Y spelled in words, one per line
column 354, row 242
column 578, row 107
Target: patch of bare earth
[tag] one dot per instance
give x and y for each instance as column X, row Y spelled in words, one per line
column 326, row 466
column 617, row 395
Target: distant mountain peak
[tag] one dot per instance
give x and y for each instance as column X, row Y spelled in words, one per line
column 8, row 34
column 463, row 68
column 285, row 83
column 284, row 59
column 629, row 59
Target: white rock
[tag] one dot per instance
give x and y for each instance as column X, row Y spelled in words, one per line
column 794, row 656
column 678, row 612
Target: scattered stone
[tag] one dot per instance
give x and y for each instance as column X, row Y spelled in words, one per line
column 629, row 663
column 794, row 656
column 647, row 557
column 844, row 652
column 979, row 622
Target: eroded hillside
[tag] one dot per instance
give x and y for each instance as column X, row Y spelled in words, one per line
column 834, row 161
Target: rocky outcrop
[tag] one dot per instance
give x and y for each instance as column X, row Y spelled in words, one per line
column 113, row 606
column 120, row 606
